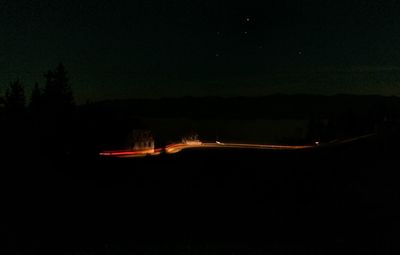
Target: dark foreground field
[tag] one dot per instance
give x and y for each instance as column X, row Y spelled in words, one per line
column 321, row 201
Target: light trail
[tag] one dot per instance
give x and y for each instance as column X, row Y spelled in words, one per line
column 131, row 154
column 177, row 147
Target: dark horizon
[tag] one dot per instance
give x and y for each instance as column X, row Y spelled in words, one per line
column 347, row 81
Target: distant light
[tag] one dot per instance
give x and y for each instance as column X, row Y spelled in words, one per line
column 300, row 52
column 316, row 143
column 248, row 19
column 245, row 32
column 217, row 55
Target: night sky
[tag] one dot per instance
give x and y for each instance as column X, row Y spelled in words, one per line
column 158, row 48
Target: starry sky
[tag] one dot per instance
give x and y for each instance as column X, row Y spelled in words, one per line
column 159, row 48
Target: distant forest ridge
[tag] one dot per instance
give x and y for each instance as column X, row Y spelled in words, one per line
column 277, row 106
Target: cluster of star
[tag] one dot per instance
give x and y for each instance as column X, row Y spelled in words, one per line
column 246, row 20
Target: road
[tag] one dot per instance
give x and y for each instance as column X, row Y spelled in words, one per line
column 174, row 148
column 177, row 147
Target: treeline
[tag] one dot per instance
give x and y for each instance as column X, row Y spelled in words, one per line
column 42, row 124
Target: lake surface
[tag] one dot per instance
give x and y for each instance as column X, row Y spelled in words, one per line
column 231, row 130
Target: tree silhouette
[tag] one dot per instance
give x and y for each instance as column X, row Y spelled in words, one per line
column 15, row 99
column 57, row 110
column 57, row 95
column 15, row 122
